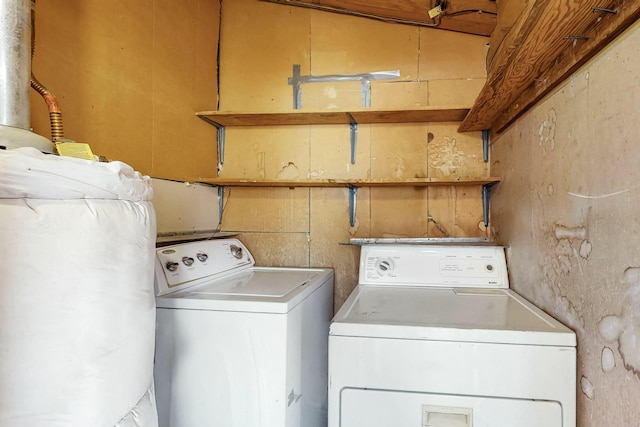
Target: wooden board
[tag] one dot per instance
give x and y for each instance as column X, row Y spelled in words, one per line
column 414, row 182
column 424, row 114
column 266, row 210
column 570, row 60
column 409, row 118
column 329, row 225
column 541, row 35
column 466, row 16
column 128, row 76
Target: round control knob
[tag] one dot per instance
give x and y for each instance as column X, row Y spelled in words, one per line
column 202, row 257
column 384, row 266
column 236, row 251
column 188, row 261
column 172, row 266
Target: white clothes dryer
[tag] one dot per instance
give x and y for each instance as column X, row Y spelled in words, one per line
column 432, row 336
column 239, row 345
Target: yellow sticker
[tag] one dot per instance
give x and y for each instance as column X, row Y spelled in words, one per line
column 79, row 150
column 435, row 12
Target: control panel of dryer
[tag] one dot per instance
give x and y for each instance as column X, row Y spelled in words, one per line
column 184, row 263
column 434, row 265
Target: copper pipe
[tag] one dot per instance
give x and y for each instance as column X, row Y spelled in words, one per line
column 55, row 115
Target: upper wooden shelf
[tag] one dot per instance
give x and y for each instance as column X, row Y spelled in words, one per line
column 415, row 115
column 412, row 182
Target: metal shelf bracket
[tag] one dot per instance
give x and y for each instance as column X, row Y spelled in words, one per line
column 353, row 127
column 485, row 144
column 353, row 192
column 221, row 137
column 220, row 204
column 486, row 197
column 365, row 82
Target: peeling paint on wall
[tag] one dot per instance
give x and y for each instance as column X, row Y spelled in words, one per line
column 587, row 388
column 585, row 249
column 260, row 156
column 607, row 360
column 288, row 171
column 625, row 327
column 353, row 231
column 397, row 165
column 556, row 265
column 572, row 243
column 547, row 131
column 447, row 157
column 568, row 210
column 330, row 92
column 561, row 232
column 315, row 173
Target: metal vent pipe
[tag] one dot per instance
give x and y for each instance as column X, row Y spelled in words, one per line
column 15, row 77
column 15, row 63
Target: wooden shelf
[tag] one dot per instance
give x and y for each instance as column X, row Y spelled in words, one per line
column 354, row 184
column 413, row 182
column 416, row 115
column 222, row 119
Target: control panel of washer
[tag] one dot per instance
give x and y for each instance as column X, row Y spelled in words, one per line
column 186, row 262
column 433, row 265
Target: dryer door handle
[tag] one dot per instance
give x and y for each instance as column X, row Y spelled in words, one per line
column 446, row 416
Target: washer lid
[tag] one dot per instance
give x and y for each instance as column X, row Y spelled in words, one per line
column 258, row 289
column 447, row 314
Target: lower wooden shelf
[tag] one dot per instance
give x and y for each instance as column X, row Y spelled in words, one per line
column 354, row 184
column 411, row 182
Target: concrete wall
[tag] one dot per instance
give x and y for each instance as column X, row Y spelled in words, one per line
column 568, row 209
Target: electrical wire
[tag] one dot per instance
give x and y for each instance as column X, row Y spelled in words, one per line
column 443, row 4
column 465, row 12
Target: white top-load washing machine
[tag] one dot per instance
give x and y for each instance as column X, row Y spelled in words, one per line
column 239, row 345
column 432, row 336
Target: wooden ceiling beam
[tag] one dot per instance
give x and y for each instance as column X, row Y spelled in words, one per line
column 460, row 15
column 569, row 61
column 540, row 52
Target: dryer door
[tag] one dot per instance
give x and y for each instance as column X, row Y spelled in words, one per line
column 384, row 408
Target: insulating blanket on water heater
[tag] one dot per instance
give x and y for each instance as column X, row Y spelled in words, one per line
column 77, row 310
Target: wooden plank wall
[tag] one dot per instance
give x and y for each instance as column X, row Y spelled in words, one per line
column 260, row 42
column 129, row 76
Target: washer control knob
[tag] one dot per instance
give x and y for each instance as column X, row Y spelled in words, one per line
column 172, row 266
column 236, row 251
column 188, row 261
column 202, row 257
